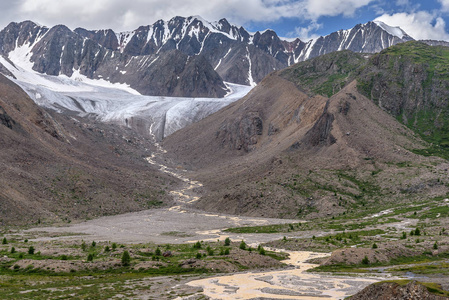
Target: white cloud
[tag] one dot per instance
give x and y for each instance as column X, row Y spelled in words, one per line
column 419, row 25
column 127, row 15
column 444, row 5
column 306, row 33
column 318, row 8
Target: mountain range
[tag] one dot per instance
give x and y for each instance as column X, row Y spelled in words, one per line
column 187, row 57
column 328, row 128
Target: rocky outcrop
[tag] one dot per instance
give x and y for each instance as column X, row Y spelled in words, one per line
column 391, row 290
column 242, row 133
column 5, row 119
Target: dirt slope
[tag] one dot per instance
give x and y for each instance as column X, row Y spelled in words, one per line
column 59, row 168
column 278, row 152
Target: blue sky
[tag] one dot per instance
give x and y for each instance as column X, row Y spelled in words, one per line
column 301, row 18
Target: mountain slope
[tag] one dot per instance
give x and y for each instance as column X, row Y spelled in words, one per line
column 60, row 168
column 283, row 152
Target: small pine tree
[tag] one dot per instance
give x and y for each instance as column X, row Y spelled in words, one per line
column 210, row 251
column 197, row 245
column 242, row 245
column 412, row 232
column 93, row 244
column 126, row 258
column 226, row 252
column 365, row 260
column 158, row 252
column 90, row 257
column 114, row 246
column 106, row 249
column 404, row 235
column 4, row 241
column 227, row 241
column 198, row 255
column 83, row 246
column 262, row 251
column 374, row 246
column 13, row 250
column 417, row 231
column 31, row 250
column 435, row 246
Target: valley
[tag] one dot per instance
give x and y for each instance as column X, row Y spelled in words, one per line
column 194, row 160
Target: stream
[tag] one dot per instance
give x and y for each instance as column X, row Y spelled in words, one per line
column 182, row 224
column 294, row 283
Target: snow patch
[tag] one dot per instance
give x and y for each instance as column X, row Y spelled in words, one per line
column 395, row 31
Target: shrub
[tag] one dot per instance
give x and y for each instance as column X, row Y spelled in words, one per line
column 90, row 257
column 198, row 255
column 114, row 246
column 227, row 241
column 106, row 249
column 13, row 250
column 197, row 245
column 242, row 245
column 31, row 250
column 374, row 246
column 4, row 241
column 94, row 244
column 435, row 246
column 64, row 257
column 262, row 251
column 226, row 252
column 158, row 252
column 365, row 260
column 126, row 258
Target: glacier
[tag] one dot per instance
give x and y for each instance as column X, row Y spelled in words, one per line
column 116, row 103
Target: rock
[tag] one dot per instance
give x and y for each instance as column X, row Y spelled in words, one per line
column 389, row 290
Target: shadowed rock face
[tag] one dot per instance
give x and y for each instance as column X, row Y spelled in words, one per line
column 388, row 290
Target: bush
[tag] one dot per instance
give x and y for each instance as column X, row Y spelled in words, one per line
column 197, row 245
column 90, row 257
column 83, row 246
column 435, row 246
column 198, row 255
column 106, row 249
column 404, row 235
column 242, row 245
column 261, row 251
column 374, row 246
column 94, row 244
column 64, row 257
column 31, row 250
column 227, row 241
column 5, row 241
column 158, row 252
column 210, row 252
column 13, row 250
column 126, row 258
column 114, row 246
column 365, row 260
column 226, row 252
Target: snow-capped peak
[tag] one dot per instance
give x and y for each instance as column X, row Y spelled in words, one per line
column 396, row 31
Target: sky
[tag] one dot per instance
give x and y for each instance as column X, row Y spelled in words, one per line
column 305, row 19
